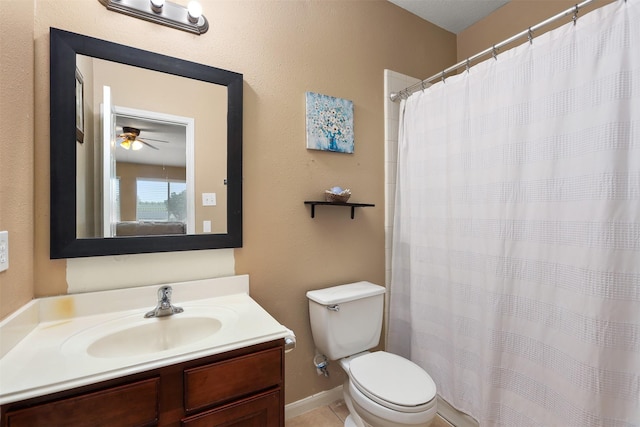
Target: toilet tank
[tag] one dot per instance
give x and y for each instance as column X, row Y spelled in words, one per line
column 346, row 319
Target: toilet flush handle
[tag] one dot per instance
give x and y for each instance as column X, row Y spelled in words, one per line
column 333, row 307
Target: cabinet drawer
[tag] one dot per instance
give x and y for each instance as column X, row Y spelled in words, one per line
column 259, row 411
column 222, row 381
column 134, row 404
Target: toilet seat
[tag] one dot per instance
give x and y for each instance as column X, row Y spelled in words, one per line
column 393, row 382
column 372, row 412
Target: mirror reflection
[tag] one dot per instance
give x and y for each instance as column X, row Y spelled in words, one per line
column 146, row 151
column 138, row 173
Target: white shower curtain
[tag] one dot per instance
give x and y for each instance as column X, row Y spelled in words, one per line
column 516, row 241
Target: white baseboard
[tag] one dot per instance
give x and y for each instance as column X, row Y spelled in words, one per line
column 310, row 403
column 327, row 397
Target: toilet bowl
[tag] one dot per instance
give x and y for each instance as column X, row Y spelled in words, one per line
column 386, row 390
column 382, row 389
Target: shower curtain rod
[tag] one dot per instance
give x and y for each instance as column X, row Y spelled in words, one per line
column 406, row 92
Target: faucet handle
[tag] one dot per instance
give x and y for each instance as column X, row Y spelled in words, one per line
column 164, row 307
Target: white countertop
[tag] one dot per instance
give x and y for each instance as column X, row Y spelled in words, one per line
column 42, row 342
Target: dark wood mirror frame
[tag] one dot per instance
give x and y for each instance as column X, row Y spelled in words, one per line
column 64, row 46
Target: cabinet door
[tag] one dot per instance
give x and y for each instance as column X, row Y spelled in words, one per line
column 224, row 381
column 263, row 410
column 128, row 405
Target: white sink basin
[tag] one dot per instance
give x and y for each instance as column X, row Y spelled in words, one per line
column 159, row 334
column 135, row 335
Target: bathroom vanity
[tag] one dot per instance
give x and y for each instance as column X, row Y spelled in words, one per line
column 65, row 372
column 245, row 385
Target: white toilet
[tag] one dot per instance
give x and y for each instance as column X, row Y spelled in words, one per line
column 382, row 389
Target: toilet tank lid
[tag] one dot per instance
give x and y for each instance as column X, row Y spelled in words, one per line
column 343, row 293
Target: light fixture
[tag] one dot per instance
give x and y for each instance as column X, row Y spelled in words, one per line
column 131, row 144
column 163, row 12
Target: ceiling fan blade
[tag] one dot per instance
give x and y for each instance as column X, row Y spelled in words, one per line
column 156, row 140
column 148, row 145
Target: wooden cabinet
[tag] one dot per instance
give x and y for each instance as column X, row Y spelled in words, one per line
column 243, row 387
column 132, row 404
column 258, row 411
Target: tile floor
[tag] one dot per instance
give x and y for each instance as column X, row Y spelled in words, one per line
column 334, row 415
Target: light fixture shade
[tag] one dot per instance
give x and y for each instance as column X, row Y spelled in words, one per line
column 136, row 145
column 126, row 144
column 194, row 9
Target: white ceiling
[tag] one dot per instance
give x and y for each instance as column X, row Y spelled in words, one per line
column 452, row 15
column 169, row 138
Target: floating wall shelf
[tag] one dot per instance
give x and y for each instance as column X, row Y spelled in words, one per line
column 352, row 205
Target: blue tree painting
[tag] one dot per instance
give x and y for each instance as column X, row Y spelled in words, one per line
column 329, row 123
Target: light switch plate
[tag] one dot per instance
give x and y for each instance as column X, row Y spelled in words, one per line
column 4, row 250
column 208, row 199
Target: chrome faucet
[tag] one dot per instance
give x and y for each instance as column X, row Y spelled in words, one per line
column 164, row 307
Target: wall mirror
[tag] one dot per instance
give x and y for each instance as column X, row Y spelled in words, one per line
column 146, row 151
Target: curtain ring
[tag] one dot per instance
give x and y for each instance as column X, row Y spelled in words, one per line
column 423, row 84
column 494, row 52
column 575, row 15
column 467, row 65
column 442, row 76
column 530, row 35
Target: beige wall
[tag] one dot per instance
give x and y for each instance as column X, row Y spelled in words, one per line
column 283, row 48
column 17, row 151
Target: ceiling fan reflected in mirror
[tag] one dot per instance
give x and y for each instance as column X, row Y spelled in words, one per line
column 132, row 141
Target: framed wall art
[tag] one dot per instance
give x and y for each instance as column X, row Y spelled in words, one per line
column 79, row 107
column 329, row 123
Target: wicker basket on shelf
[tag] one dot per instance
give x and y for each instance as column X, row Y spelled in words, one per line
column 341, row 197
